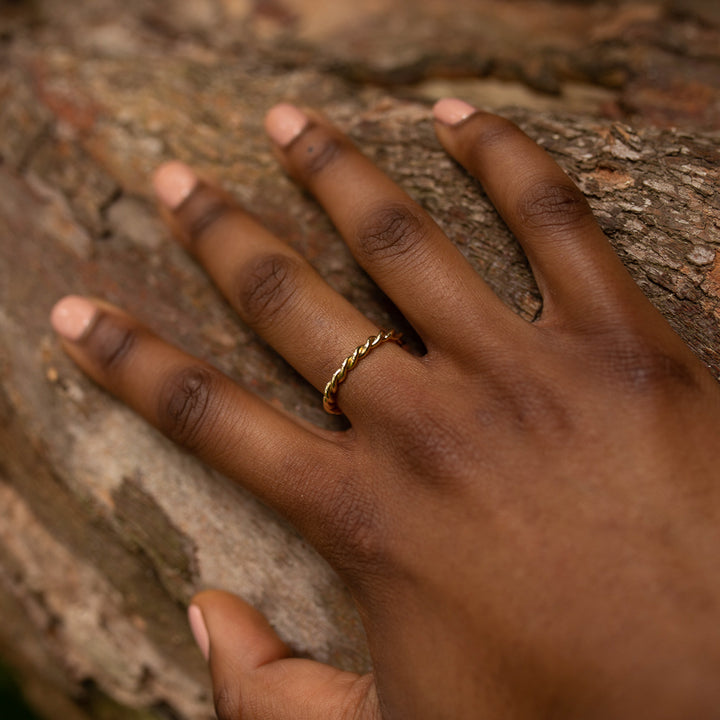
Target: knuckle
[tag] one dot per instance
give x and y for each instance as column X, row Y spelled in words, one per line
column 201, row 211
column 227, row 702
column 430, row 438
column 266, row 286
column 390, row 230
column 433, row 449
column 643, row 368
column 187, row 405
column 361, row 701
column 529, row 405
column 553, row 205
column 317, row 150
column 355, row 531
column 111, row 342
column 488, row 130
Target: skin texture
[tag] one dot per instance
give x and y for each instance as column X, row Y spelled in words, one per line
column 529, row 522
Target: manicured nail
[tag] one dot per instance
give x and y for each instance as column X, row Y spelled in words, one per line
column 199, row 630
column 72, row 316
column 452, row 111
column 284, row 123
column 173, row 182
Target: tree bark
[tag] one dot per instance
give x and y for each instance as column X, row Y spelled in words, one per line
column 106, row 530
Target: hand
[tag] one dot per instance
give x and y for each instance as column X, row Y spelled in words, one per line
column 528, row 516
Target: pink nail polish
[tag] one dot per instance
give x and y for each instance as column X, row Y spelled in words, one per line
column 72, row 316
column 173, row 182
column 452, row 111
column 284, row 123
column 199, row 630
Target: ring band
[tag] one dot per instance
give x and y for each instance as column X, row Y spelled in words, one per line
column 331, row 389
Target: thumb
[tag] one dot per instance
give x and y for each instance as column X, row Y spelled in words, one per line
column 254, row 677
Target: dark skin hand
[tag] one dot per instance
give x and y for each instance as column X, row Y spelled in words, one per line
column 528, row 516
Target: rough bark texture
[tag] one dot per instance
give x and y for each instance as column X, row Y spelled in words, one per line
column 106, row 530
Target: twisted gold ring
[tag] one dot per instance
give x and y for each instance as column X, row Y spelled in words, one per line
column 331, row 389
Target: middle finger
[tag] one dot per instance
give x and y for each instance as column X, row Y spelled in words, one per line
column 390, row 235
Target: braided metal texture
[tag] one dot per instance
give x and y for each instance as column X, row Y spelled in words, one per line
column 330, row 395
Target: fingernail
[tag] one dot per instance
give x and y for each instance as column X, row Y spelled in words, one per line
column 72, row 316
column 452, row 111
column 173, row 182
column 199, row 630
column 284, row 123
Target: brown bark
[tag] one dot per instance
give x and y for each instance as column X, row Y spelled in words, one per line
column 106, row 530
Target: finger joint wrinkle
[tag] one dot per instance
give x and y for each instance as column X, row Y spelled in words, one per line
column 184, row 405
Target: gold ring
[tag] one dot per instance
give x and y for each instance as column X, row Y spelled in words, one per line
column 331, row 389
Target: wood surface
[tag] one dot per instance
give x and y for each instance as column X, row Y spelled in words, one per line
column 106, row 529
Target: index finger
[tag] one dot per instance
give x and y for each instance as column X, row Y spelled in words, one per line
column 200, row 408
column 574, row 264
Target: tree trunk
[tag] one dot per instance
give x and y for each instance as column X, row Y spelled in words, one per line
column 106, row 530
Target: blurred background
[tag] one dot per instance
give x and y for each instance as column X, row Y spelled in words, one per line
column 11, row 700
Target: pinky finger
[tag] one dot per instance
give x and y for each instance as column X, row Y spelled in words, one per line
column 193, row 403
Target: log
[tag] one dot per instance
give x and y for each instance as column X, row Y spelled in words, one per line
column 106, row 529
